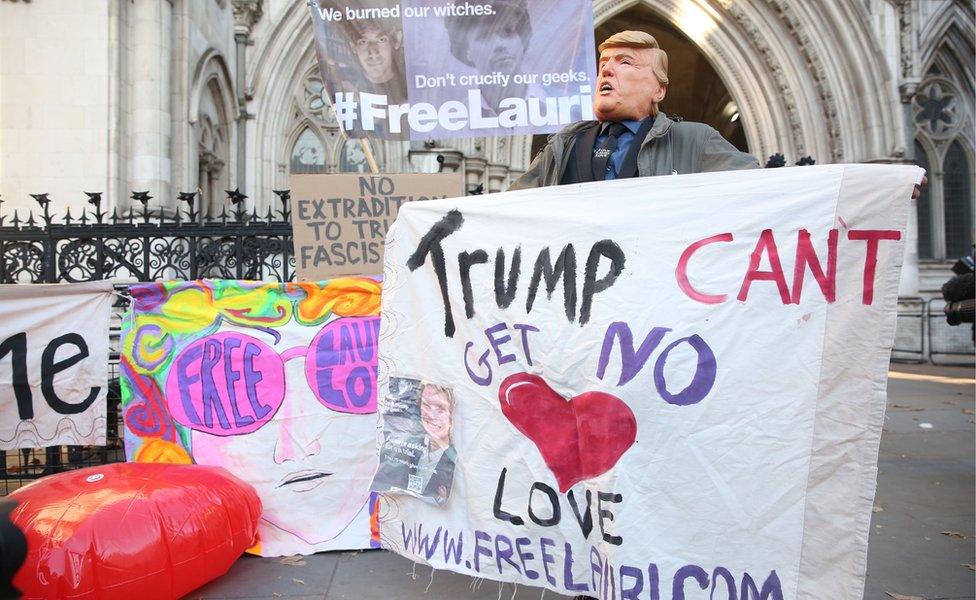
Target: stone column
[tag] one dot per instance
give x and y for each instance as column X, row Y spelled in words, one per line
column 433, row 159
column 150, row 120
column 246, row 14
column 909, row 78
column 497, row 175
column 474, row 173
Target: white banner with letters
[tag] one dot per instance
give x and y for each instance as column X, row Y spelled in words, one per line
column 648, row 388
column 53, row 364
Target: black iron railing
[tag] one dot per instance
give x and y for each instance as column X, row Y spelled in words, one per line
column 146, row 244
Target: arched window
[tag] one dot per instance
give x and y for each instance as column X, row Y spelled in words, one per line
column 307, row 154
column 942, row 112
column 957, row 194
column 353, row 158
column 319, row 145
column 212, row 129
column 924, row 207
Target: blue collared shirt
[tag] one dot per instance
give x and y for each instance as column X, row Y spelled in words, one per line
column 623, row 145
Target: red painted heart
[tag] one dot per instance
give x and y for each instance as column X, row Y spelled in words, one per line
column 579, row 438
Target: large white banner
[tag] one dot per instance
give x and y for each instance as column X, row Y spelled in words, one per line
column 53, row 364
column 649, row 388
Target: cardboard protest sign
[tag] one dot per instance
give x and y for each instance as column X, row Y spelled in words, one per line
column 274, row 382
column 340, row 221
column 53, row 364
column 421, row 69
column 660, row 385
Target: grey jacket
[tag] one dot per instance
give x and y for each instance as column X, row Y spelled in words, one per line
column 670, row 147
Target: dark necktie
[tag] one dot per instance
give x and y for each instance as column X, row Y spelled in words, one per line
column 601, row 157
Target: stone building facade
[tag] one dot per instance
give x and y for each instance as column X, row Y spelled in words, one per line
column 210, row 95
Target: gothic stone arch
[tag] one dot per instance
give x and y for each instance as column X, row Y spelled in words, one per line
column 211, row 111
column 808, row 77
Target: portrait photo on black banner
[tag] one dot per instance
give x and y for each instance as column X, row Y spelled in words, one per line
column 503, row 49
column 361, row 55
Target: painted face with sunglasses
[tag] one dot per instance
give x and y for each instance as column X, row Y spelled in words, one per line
column 295, row 423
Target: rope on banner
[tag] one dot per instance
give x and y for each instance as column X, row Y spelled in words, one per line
column 121, row 294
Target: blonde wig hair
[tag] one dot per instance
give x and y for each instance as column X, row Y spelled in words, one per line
column 641, row 39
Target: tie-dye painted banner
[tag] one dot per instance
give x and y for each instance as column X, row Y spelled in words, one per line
column 274, row 382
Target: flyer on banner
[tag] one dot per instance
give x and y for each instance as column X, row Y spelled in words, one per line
column 416, row 455
column 681, row 392
column 274, row 382
column 423, row 69
column 54, row 363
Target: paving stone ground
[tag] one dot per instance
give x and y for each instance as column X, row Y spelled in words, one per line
column 925, row 488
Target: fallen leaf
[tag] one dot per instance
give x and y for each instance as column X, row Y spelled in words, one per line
column 970, row 566
column 903, row 597
column 968, row 411
column 908, row 408
column 954, row 534
column 275, row 595
column 298, row 581
column 296, row 560
column 877, row 509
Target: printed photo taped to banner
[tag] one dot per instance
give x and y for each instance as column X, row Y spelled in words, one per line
column 416, row 455
column 274, row 382
column 672, row 379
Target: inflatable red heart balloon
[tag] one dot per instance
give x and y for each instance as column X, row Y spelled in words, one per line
column 579, row 438
column 132, row 530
